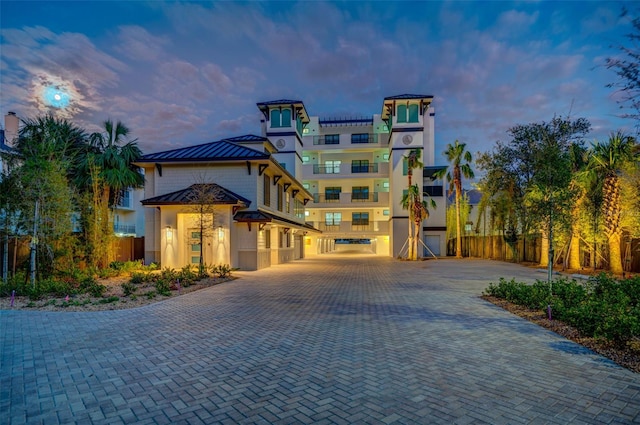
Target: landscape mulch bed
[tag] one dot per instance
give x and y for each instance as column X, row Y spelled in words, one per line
column 145, row 295
column 627, row 357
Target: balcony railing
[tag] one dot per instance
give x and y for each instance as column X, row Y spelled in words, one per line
column 348, row 226
column 375, row 168
column 346, row 198
column 323, row 140
column 364, row 197
column 326, row 197
column 370, row 168
column 364, row 138
column 124, row 228
column 326, row 169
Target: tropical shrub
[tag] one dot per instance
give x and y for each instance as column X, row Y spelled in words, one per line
column 163, row 287
column 603, row 307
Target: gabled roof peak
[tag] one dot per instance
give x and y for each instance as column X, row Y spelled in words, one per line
column 221, row 150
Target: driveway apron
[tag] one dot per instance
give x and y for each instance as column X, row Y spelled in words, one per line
column 327, row 340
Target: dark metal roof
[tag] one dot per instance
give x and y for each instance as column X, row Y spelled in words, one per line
column 409, row 96
column 196, row 193
column 279, row 102
column 247, row 138
column 222, row 150
column 345, row 120
column 3, row 146
column 298, row 105
column 265, row 217
column 389, row 103
column 252, row 217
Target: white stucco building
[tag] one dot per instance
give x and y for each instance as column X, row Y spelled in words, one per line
column 306, row 186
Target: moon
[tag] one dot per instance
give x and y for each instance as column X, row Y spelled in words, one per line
column 53, row 96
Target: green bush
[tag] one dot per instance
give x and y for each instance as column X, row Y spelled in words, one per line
column 168, row 274
column 17, row 283
column 90, row 286
column 107, row 273
column 128, row 288
column 187, row 276
column 142, row 277
column 603, row 307
column 222, row 270
column 163, row 287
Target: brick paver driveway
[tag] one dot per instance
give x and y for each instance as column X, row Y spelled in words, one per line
column 357, row 339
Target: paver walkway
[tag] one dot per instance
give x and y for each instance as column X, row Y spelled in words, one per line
column 327, row 340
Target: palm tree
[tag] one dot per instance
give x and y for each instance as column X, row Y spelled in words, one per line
column 413, row 162
column 579, row 185
column 114, row 157
column 607, row 160
column 460, row 160
column 108, row 171
column 413, row 201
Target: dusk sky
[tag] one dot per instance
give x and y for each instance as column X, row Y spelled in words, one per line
column 182, row 73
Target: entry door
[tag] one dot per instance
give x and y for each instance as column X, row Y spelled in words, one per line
column 433, row 243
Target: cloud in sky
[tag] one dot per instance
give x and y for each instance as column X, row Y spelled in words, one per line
column 181, row 73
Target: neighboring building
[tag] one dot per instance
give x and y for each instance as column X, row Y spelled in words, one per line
column 8, row 136
column 356, row 170
column 128, row 215
column 474, row 197
column 350, row 173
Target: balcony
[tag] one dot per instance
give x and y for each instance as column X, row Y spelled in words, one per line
column 325, row 140
column 345, row 227
column 127, row 229
column 346, row 199
column 358, row 168
column 332, row 141
column 342, row 170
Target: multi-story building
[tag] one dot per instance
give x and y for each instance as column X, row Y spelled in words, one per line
column 344, row 177
column 356, row 169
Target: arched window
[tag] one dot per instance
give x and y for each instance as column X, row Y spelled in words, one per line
column 275, row 118
column 402, row 113
column 413, row 113
column 286, row 118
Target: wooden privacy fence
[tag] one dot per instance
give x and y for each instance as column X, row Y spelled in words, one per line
column 128, row 248
column 527, row 250
column 124, row 249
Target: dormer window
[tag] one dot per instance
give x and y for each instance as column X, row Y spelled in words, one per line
column 280, row 118
column 407, row 113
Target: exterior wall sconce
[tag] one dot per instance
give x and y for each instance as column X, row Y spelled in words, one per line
column 169, row 235
column 220, row 234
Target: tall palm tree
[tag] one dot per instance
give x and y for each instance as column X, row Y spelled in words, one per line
column 114, row 156
column 607, row 160
column 579, row 185
column 460, row 161
column 408, row 201
column 108, row 170
column 413, row 201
